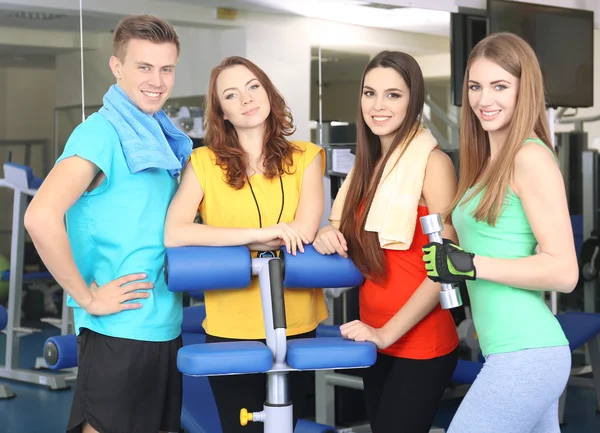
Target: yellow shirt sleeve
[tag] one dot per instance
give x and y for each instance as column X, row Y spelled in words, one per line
column 309, row 152
column 199, row 158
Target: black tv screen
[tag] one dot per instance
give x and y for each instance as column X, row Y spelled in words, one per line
column 466, row 30
column 563, row 40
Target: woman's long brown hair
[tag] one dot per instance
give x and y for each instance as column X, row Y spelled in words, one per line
column 514, row 55
column 221, row 137
column 363, row 246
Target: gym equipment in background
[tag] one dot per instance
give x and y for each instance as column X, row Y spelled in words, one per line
column 24, row 184
column 5, row 391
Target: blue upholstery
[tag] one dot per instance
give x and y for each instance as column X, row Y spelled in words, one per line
column 32, row 181
column 466, row 371
column 35, row 183
column 199, row 296
column 193, row 318
column 66, row 345
column 30, row 276
column 190, row 338
column 329, row 353
column 199, row 412
column 328, row 331
column 241, row 357
column 314, row 270
column 3, row 318
column 579, row 327
column 578, row 235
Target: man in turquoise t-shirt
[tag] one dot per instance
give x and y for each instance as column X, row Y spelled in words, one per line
column 113, row 183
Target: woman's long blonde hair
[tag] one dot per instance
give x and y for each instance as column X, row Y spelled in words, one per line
column 514, row 55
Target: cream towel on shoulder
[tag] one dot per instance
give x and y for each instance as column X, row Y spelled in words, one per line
column 393, row 213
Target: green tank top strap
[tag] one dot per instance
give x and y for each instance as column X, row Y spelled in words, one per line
column 541, row 143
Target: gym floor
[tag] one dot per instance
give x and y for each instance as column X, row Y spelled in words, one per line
column 38, row 410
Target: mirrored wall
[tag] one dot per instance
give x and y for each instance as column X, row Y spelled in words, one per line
column 35, row 45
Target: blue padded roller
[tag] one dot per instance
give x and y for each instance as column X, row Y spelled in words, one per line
column 3, row 318
column 192, row 319
column 61, row 352
column 313, row 270
column 329, row 353
column 241, row 357
column 192, row 269
column 328, row 331
column 30, row 276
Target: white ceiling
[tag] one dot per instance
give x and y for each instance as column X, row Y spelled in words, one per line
column 347, row 11
column 359, row 12
column 52, row 21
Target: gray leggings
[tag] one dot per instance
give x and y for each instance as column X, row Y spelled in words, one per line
column 516, row 392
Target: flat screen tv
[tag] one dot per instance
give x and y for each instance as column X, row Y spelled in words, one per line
column 563, row 40
column 465, row 31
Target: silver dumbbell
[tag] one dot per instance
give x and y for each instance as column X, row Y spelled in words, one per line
column 432, row 226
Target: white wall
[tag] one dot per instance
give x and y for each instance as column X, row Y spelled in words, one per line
column 435, row 66
column 285, row 57
column 201, row 50
column 26, row 112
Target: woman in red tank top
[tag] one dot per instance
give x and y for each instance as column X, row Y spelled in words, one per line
column 399, row 305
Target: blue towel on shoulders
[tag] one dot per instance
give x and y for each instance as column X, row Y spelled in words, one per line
column 148, row 141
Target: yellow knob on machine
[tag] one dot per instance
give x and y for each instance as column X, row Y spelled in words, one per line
column 245, row 417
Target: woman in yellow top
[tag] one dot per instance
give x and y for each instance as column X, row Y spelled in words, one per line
column 252, row 187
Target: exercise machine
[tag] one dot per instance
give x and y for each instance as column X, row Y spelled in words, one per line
column 228, row 268
column 5, row 391
column 194, row 269
column 24, row 184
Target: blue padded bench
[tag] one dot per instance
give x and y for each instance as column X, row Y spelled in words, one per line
column 466, row 371
column 33, row 182
column 199, row 413
column 580, row 328
column 234, row 357
column 3, row 318
column 302, row 354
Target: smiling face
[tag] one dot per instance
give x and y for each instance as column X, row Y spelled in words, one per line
column 493, row 94
column 244, row 100
column 146, row 73
column 384, row 102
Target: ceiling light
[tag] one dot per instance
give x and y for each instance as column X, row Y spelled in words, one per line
column 35, row 16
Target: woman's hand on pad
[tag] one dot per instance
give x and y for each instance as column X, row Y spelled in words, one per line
column 283, row 233
column 330, row 240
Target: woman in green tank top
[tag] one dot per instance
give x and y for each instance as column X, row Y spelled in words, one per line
column 516, row 242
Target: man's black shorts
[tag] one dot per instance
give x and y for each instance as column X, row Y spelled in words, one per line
column 126, row 386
